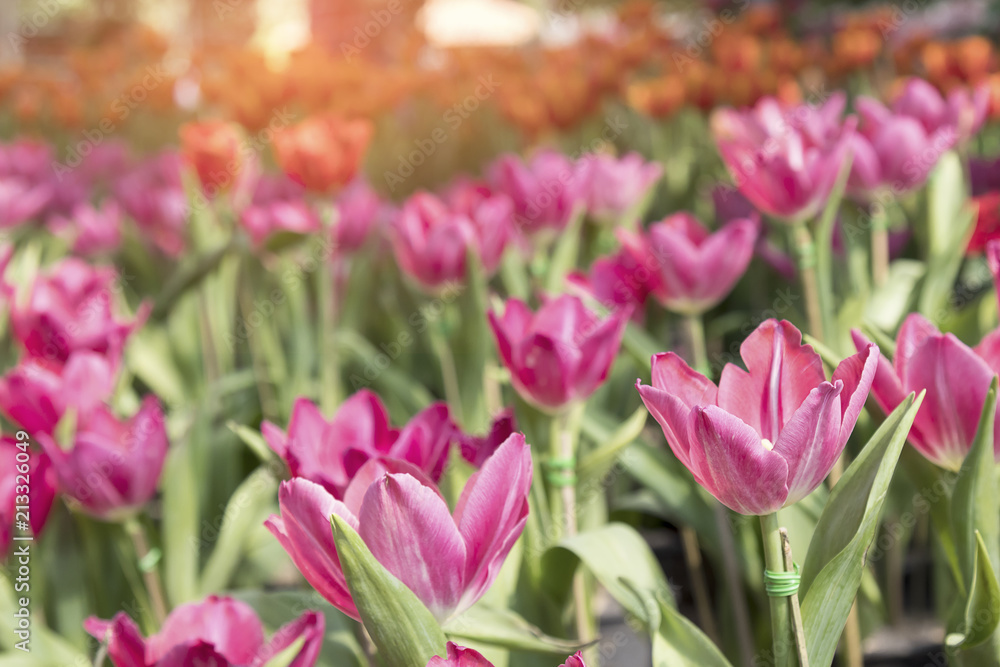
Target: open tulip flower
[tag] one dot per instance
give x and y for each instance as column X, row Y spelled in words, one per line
column 278, row 205
column 113, row 466
column 693, row 268
column 359, row 212
column 69, row 308
column 546, row 191
column 447, row 561
column 766, row 437
column 323, row 152
column 331, row 452
column 613, row 187
column 432, row 237
column 562, row 353
column 217, row 632
column 956, row 378
column 212, row 149
column 960, row 114
column 784, row 160
column 618, row 281
column 459, row 656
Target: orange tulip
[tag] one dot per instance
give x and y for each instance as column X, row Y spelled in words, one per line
column 323, row 152
column 211, row 148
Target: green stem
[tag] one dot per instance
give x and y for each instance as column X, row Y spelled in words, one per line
column 696, row 338
column 150, row 572
column 326, row 292
column 805, row 252
column 449, row 372
column 880, row 246
column 774, row 560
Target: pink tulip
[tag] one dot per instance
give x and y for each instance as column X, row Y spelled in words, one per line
column 36, row 394
column 785, row 161
column 432, row 239
column 331, row 452
column 37, row 486
column 960, row 115
column 217, row 632
column 278, row 205
column 459, row 656
column 92, row 229
column 113, row 467
column 613, row 187
column 694, row 269
column 153, row 195
column 956, row 378
column 359, row 212
column 477, row 449
column 27, row 186
column 69, row 308
column 560, row 354
column 546, row 191
column 762, row 439
column 447, row 561
column 618, row 281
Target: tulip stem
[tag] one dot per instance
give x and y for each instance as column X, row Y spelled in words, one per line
column 805, row 251
column 150, row 571
column 734, row 582
column 449, row 372
column 699, row 585
column 880, row 245
column 326, row 293
column 774, row 560
column 696, row 338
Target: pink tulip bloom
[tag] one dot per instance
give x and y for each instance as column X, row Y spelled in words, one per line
column 613, row 187
column 447, row 561
column 113, row 466
column 477, row 449
column 559, row 355
column 39, row 489
column 217, row 632
column 546, row 191
column 22, row 201
column 432, row 239
column 765, row 438
column 618, row 281
column 960, row 115
column 459, row 656
column 69, row 308
column 694, row 269
column 359, row 212
column 91, row 229
column 785, row 161
column 35, row 394
column 278, row 205
column 331, row 452
column 27, row 186
column 956, row 378
column 153, row 195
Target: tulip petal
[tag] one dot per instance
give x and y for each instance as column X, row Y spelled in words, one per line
column 599, row 351
column 229, row 626
column 375, row 469
column 409, row 529
column 857, row 372
column 460, row 657
column 672, row 374
column 303, row 528
column 810, row 442
column 310, row 627
column 126, row 647
column 735, row 466
column 193, row 654
column 545, row 369
column 915, row 330
column 491, row 513
column 426, row 440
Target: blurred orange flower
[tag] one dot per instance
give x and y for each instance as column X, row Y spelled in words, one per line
column 211, row 148
column 323, row 153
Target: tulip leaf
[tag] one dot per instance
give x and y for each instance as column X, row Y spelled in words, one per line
column 835, row 562
column 180, row 519
column 190, row 273
column 249, row 505
column 401, row 627
column 612, row 553
column 472, row 342
column 506, row 629
column 679, row 642
column 982, row 611
column 598, row 462
column 46, row 647
column 973, row 506
column 564, row 255
column 824, row 248
column 949, row 224
column 150, row 356
column 252, row 439
column 640, row 344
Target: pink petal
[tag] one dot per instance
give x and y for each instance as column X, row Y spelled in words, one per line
column 734, row 464
column 575, row 660
column 126, row 647
column 599, row 350
column 410, row 531
column 857, row 372
column 460, row 657
column 810, row 442
column 231, row 627
column 672, row 374
column 491, row 513
column 674, row 417
column 375, row 469
column 309, row 626
column 916, row 329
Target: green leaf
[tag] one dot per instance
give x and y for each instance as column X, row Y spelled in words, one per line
column 890, row 303
column 401, row 627
column 472, row 343
column 982, row 611
column 250, row 504
column 973, row 501
column 150, row 356
column 189, row 274
column 679, row 642
column 252, row 439
column 506, row 629
column 836, row 559
column 46, row 647
column 180, row 521
column 612, row 553
column 564, row 255
column 596, row 463
column 824, row 249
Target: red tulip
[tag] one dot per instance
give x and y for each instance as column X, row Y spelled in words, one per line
column 560, row 354
column 213, row 150
column 218, row 632
column 764, row 438
column 323, row 152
